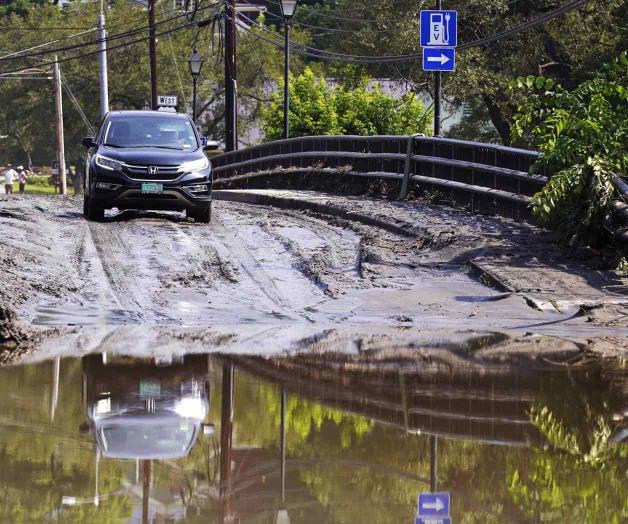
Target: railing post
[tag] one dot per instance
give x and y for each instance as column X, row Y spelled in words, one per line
column 405, row 183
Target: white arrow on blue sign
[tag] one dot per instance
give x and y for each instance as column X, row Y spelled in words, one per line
column 439, row 28
column 434, row 504
column 439, row 59
column 432, row 520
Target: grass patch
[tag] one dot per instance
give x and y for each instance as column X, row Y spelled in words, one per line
column 39, row 189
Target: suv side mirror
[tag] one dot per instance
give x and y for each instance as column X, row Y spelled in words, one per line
column 208, row 428
column 88, row 141
column 209, row 145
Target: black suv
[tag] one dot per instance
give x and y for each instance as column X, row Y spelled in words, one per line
column 147, row 160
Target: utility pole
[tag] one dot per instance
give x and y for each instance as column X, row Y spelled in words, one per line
column 102, row 46
column 231, row 104
column 59, row 121
column 438, row 90
column 152, row 49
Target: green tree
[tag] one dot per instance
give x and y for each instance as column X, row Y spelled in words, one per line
column 312, row 111
column 582, row 135
column 364, row 111
column 318, row 109
column 564, row 49
column 27, row 118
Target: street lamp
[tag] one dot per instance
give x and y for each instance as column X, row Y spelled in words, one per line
column 288, row 7
column 196, row 64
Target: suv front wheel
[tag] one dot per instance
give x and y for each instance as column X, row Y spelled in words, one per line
column 92, row 211
column 203, row 215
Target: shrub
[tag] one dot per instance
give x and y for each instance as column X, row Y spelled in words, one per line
column 582, row 136
column 317, row 109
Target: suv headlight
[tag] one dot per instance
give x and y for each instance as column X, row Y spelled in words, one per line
column 194, row 165
column 108, row 163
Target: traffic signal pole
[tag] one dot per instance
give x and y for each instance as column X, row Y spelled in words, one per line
column 231, row 107
column 59, row 125
column 152, row 49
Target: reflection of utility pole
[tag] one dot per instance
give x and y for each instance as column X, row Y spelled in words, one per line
column 282, row 512
column 59, row 121
column 96, row 494
column 284, row 394
column 54, row 398
column 146, row 479
column 226, row 442
column 433, row 463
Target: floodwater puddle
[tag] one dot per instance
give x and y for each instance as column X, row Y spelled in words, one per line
column 313, row 439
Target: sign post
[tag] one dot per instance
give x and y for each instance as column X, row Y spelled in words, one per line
column 439, row 39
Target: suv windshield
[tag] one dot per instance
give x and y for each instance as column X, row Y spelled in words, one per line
column 163, row 132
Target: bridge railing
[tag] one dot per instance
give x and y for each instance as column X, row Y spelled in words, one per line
column 483, row 177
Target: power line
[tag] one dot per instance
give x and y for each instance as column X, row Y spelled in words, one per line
column 119, row 46
column 339, row 30
column 25, row 28
column 345, row 19
column 46, row 43
column 333, row 56
column 84, row 31
column 77, row 105
column 116, row 36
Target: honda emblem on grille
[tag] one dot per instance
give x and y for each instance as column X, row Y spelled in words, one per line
column 153, row 170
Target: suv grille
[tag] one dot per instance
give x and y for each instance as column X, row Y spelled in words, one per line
column 163, row 172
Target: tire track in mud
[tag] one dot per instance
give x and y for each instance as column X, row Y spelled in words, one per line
column 125, row 271
column 240, row 247
column 326, row 255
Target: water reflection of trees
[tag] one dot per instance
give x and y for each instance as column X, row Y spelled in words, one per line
column 342, row 467
column 42, row 460
column 576, row 475
column 580, row 474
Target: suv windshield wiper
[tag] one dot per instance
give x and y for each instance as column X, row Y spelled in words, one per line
column 167, row 147
column 112, row 145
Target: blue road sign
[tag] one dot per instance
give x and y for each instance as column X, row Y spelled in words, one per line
column 439, row 28
column 439, row 59
column 434, row 505
column 433, row 520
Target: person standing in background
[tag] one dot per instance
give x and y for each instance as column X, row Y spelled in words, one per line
column 9, row 178
column 21, row 179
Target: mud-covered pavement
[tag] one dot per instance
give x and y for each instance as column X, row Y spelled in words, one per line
column 261, row 279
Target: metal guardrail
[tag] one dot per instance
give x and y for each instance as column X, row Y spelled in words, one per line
column 483, row 177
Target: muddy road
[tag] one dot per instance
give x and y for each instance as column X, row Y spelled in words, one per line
column 261, row 279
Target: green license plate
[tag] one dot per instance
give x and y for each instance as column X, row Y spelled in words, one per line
column 149, row 388
column 152, row 189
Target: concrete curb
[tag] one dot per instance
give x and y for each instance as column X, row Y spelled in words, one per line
column 281, row 202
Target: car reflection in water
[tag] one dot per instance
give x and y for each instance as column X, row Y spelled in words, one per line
column 146, row 410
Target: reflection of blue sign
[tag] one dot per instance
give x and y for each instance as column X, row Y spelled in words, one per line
column 439, row 28
column 432, row 520
column 439, row 59
column 433, row 505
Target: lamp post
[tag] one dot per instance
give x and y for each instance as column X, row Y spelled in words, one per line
column 288, row 7
column 196, row 64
